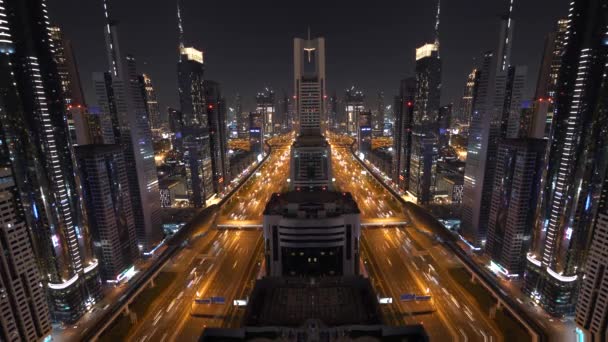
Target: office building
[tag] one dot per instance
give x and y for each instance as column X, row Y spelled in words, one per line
column 465, row 106
column 332, row 113
column 576, row 164
column 364, row 132
column 591, row 306
column 67, row 68
column 443, row 122
column 496, row 115
column 25, row 313
column 44, row 162
column 151, row 101
column 353, row 105
column 542, row 117
column 218, row 140
column 312, row 233
column 402, row 132
column 256, row 133
column 516, row 189
column 309, row 84
column 265, row 105
column 108, row 204
column 310, row 164
column 119, row 93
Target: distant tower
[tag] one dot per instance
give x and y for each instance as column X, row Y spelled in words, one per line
column 151, row 102
column 309, row 83
column 353, row 105
column 120, row 93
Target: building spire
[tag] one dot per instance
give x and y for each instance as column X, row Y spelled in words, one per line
column 112, row 44
column 180, row 26
column 437, row 25
column 504, row 48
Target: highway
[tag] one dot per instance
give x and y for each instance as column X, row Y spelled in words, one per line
column 402, row 260
column 399, row 260
column 222, row 263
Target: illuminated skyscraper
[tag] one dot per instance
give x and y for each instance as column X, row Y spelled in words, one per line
column 218, row 140
column 265, row 105
column 496, row 115
column 352, row 106
column 151, row 102
column 465, row 106
column 42, row 158
column 309, row 83
column 119, row 93
column 402, row 136
column 576, row 166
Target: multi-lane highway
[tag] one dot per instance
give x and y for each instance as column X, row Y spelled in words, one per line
column 221, row 263
column 401, row 260
column 398, row 259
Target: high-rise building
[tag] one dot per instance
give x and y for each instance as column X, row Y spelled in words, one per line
column 443, row 122
column 424, row 137
column 465, row 106
column 67, row 68
column 265, row 105
column 109, row 212
column 151, row 102
column 309, row 83
column 378, row 120
column 576, row 165
column 542, row 118
column 364, row 132
column 218, row 139
column 25, row 313
column 402, row 132
column 119, row 93
column 496, row 115
column 591, row 304
column 42, row 158
column 332, row 113
column 353, row 105
column 256, row 133
column 516, row 189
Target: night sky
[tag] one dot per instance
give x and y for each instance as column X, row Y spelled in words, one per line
column 248, row 44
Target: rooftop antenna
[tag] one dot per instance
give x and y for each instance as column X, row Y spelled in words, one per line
column 437, row 25
column 180, row 28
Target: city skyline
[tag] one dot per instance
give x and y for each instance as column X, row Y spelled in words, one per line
column 245, row 63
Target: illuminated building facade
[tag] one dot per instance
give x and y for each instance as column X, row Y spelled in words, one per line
column 309, row 83
column 265, row 105
column 576, row 165
column 108, row 203
column 218, row 140
column 353, row 105
column 42, row 160
column 364, row 132
column 402, row 132
column 151, row 102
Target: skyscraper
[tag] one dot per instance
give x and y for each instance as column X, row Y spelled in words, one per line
column 309, row 83
column 25, row 314
column 379, row 114
column 42, row 157
column 496, row 115
column 265, row 104
column 108, row 203
column 67, row 68
column 424, row 149
column 151, row 102
column 465, row 106
column 310, row 164
column 364, row 132
column 576, row 165
column 402, row 135
column 119, row 93
column 256, row 133
column 352, row 106
column 591, row 305
column 542, row 119
column 516, row 189
column 218, row 140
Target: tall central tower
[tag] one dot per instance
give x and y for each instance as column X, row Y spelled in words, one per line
column 309, row 83
column 310, row 153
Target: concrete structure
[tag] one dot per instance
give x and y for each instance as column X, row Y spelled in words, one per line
column 312, row 233
column 310, row 163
